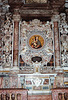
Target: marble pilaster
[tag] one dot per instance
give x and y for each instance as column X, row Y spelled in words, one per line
column 16, row 18
column 55, row 20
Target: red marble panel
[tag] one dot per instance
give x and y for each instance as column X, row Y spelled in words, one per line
column 56, row 44
column 16, row 43
column 39, row 97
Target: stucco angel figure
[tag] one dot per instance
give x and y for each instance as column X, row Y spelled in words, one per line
column 36, row 66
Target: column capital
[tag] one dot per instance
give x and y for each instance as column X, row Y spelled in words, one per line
column 16, row 15
column 55, row 18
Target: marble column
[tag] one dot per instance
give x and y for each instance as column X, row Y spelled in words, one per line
column 55, row 20
column 16, row 18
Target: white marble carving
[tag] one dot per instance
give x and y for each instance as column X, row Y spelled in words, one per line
column 31, row 28
column 7, row 41
column 37, row 81
column 36, row 66
column 64, row 40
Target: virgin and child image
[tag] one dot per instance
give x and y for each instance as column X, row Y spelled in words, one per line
column 36, row 43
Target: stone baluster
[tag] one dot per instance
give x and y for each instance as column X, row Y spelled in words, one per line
column 55, row 20
column 10, row 96
column 63, row 97
column 15, row 96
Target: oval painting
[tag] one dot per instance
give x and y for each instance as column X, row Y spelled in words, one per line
column 36, row 41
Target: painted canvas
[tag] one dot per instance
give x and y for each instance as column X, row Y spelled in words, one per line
column 36, row 41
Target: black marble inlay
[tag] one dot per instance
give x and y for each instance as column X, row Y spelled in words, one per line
column 36, row 58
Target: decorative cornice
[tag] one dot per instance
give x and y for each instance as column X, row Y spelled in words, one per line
column 37, row 12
